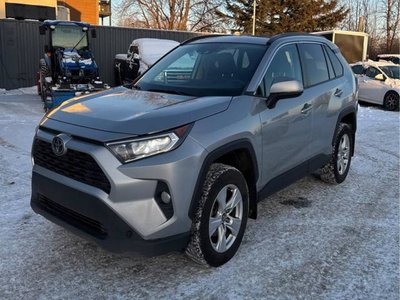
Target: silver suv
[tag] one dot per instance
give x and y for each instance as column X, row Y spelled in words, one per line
column 179, row 160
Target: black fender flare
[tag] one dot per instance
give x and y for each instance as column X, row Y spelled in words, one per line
column 347, row 111
column 211, row 158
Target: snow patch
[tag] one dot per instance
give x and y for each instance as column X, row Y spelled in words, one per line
column 32, row 90
column 151, row 50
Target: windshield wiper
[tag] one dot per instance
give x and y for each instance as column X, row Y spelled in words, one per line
column 169, row 91
column 84, row 34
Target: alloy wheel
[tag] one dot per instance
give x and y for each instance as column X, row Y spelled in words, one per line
column 226, row 218
column 343, row 154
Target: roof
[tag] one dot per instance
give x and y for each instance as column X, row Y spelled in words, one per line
column 345, row 32
column 374, row 63
column 258, row 40
column 65, row 23
column 388, row 55
column 245, row 39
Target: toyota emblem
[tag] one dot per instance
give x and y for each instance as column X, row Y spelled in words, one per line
column 58, row 144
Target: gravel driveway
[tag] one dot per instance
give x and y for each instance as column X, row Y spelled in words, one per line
column 310, row 241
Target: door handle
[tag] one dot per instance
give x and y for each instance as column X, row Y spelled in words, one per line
column 306, row 108
column 338, row 92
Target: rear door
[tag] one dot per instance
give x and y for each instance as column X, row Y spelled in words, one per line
column 325, row 92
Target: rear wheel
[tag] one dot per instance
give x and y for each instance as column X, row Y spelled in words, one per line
column 336, row 170
column 391, row 101
column 221, row 217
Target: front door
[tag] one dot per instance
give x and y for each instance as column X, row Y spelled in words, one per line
column 371, row 89
column 286, row 128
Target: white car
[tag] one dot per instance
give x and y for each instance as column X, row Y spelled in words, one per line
column 379, row 83
column 394, row 58
column 141, row 55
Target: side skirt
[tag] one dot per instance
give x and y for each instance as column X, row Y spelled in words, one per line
column 280, row 182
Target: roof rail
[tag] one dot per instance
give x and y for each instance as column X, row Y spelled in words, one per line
column 288, row 34
column 199, row 37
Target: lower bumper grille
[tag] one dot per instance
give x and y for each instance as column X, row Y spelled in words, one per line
column 73, row 218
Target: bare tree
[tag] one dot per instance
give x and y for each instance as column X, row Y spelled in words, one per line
column 367, row 10
column 194, row 15
column 392, row 19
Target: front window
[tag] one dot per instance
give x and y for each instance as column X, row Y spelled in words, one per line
column 371, row 72
column 68, row 37
column 209, row 69
column 285, row 66
column 392, row 71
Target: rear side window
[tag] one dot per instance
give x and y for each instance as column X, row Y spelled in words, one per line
column 358, row 69
column 314, row 63
column 337, row 66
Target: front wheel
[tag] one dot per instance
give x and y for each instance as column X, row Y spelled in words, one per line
column 338, row 167
column 391, row 101
column 221, row 217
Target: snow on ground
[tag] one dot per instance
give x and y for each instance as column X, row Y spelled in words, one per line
column 32, row 90
column 310, row 241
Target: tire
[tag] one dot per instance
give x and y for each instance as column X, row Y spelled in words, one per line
column 336, row 170
column 391, row 101
column 44, row 72
column 222, row 182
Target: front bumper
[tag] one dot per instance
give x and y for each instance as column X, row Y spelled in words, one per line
column 86, row 216
column 128, row 217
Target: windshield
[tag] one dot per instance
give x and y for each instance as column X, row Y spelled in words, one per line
column 210, row 69
column 68, row 36
column 392, row 71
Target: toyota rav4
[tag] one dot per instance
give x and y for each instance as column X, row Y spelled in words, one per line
column 179, row 161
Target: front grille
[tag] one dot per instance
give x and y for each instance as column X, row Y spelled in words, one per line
column 73, row 218
column 73, row 164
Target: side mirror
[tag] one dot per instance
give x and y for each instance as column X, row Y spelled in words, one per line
column 283, row 90
column 94, row 33
column 380, row 77
column 42, row 30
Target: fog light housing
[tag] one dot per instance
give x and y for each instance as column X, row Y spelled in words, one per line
column 163, row 198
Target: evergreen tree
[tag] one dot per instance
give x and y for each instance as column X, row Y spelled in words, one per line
column 278, row 16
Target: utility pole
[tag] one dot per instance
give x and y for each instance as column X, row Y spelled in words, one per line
column 360, row 26
column 254, row 17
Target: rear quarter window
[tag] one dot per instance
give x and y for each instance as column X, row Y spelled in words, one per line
column 337, row 66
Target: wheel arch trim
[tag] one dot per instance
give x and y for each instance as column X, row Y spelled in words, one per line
column 351, row 110
column 213, row 156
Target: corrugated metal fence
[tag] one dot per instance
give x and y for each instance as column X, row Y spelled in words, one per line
column 21, row 47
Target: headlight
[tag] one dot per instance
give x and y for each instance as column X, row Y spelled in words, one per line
column 127, row 151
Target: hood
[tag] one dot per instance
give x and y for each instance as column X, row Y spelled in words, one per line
column 394, row 83
column 134, row 112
